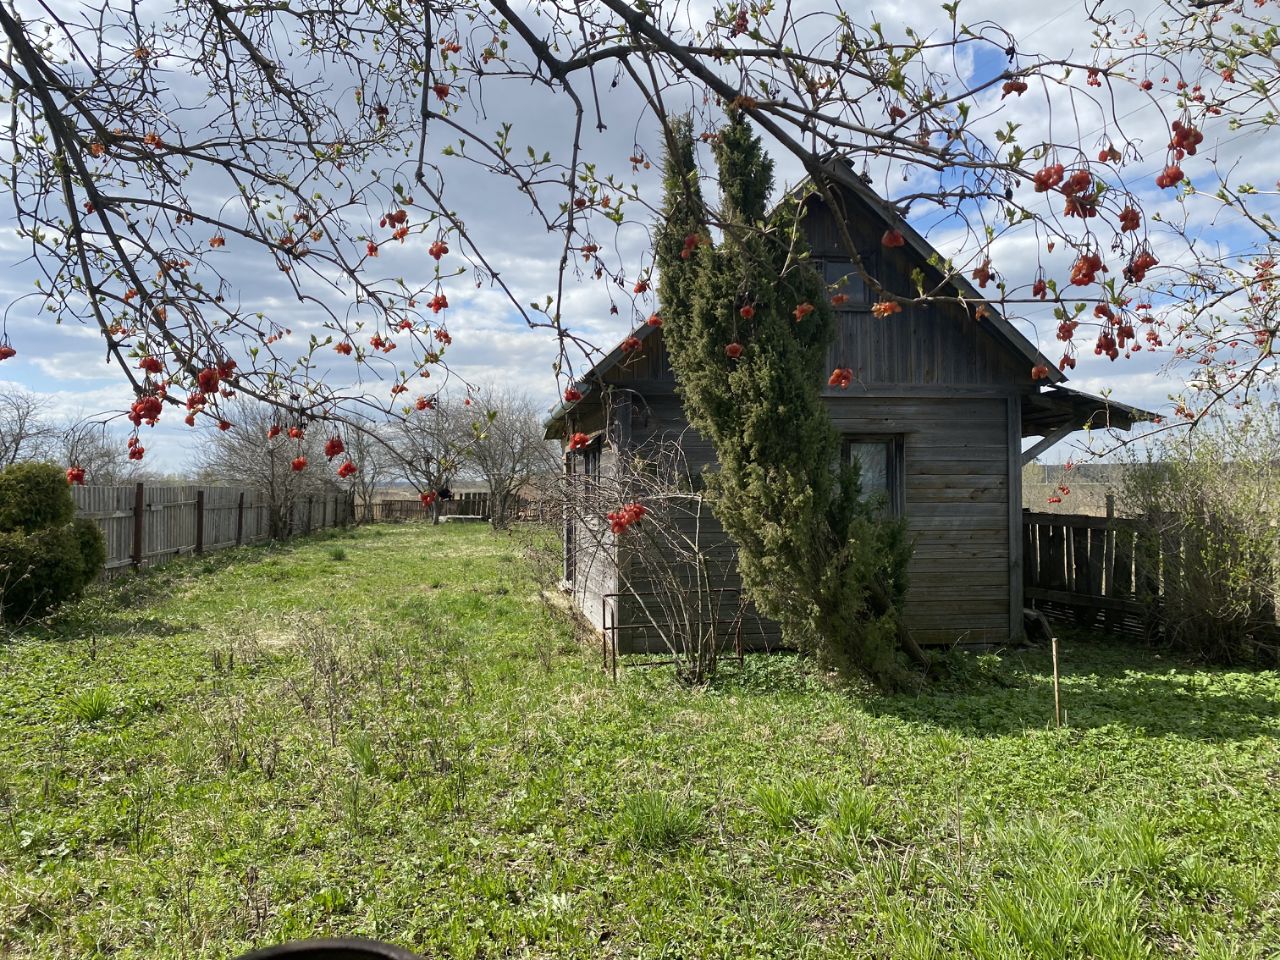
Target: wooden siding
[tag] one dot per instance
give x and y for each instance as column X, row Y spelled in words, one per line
column 942, row 344
column 948, row 384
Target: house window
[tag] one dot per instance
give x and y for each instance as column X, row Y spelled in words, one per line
column 591, row 462
column 879, row 460
column 843, row 277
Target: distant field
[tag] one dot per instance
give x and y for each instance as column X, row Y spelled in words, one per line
column 390, row 733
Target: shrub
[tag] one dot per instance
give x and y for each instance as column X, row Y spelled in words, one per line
column 34, row 496
column 1208, row 504
column 45, row 556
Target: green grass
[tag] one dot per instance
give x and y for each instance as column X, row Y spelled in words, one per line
column 391, row 733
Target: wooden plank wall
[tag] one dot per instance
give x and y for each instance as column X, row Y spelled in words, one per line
column 956, row 504
column 169, row 515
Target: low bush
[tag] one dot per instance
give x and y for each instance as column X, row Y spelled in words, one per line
column 45, row 556
column 1208, row 501
column 34, row 496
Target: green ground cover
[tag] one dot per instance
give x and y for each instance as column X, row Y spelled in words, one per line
column 391, row 733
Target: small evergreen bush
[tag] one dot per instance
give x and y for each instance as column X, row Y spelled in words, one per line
column 34, row 496
column 46, row 557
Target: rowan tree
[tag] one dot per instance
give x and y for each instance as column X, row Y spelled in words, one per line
column 160, row 154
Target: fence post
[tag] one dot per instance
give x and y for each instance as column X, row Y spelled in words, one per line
column 240, row 520
column 310, row 504
column 199, row 521
column 139, row 523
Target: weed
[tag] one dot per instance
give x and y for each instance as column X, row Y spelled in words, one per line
column 89, row 706
column 337, row 553
column 652, row 820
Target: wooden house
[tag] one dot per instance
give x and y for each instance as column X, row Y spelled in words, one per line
column 937, row 415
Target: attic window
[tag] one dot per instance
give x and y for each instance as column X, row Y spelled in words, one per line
column 843, row 277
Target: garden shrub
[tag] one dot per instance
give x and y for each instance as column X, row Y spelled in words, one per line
column 1208, row 504
column 46, row 557
column 34, row 496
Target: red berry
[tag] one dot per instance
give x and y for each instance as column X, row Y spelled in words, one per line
column 299, row 464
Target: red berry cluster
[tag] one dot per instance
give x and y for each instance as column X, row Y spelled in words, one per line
column 631, row 345
column 572, row 395
column 691, row 243
column 1086, row 269
column 146, row 409
column 892, row 238
column 1130, row 220
column 1185, row 140
column 136, row 449
column 1048, row 178
column 299, row 464
column 333, row 446
column 1013, row 86
column 840, row 377
column 75, row 476
column 654, row 321
column 579, row 441
column 802, row 310
column 428, row 498
column 625, row 516
column 439, row 302
column 438, row 249
column 983, row 273
column 1137, row 269
column 1081, row 202
column 1170, row 176
column 347, row 469
column 733, row 350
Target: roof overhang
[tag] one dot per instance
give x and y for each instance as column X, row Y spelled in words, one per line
column 1057, row 409
column 591, row 386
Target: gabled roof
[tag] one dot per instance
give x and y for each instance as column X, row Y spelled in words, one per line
column 1053, row 408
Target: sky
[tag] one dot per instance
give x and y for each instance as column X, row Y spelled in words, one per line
column 66, row 365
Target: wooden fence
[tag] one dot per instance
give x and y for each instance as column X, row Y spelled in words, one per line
column 1103, row 572
column 146, row 525
column 471, row 504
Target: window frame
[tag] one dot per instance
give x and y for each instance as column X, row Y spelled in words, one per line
column 870, row 262
column 895, row 466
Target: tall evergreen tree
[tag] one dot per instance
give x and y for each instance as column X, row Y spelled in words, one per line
column 747, row 323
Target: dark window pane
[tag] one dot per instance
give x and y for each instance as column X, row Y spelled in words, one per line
column 872, row 460
column 846, row 279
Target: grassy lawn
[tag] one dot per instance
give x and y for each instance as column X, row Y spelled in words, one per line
column 390, row 733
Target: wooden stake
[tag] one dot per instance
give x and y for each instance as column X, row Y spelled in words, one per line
column 1057, row 696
